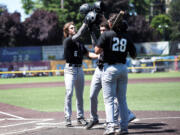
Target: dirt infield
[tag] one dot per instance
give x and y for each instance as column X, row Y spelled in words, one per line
column 20, row 121
column 59, row 84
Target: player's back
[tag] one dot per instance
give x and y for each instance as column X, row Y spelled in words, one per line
column 115, row 47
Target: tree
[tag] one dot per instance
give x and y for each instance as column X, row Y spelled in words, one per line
column 161, row 23
column 42, row 28
column 174, row 10
column 158, row 7
column 2, row 8
column 28, row 6
column 175, row 35
column 140, row 30
column 70, row 12
column 114, row 6
column 175, row 16
column 141, row 6
column 11, row 29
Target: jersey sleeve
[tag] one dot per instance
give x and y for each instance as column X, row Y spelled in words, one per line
column 80, row 32
column 132, row 49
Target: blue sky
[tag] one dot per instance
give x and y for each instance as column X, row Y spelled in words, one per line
column 14, row 5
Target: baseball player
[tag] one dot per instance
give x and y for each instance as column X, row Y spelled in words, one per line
column 73, row 72
column 96, row 85
column 115, row 46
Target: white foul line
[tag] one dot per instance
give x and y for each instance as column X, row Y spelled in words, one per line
column 74, row 125
column 8, row 114
column 22, row 131
column 40, row 124
column 62, row 124
column 25, row 123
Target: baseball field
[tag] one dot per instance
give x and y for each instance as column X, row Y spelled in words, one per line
column 34, row 106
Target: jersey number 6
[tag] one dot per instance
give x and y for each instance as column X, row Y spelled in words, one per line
column 119, row 44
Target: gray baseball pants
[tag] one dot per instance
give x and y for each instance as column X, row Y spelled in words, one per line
column 95, row 88
column 96, row 85
column 74, row 77
column 114, row 83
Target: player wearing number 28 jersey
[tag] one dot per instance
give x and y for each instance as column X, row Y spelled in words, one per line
column 116, row 46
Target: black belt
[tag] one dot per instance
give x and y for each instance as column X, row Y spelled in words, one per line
column 100, row 65
column 74, row 65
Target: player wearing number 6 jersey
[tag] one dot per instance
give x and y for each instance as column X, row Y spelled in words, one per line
column 116, row 46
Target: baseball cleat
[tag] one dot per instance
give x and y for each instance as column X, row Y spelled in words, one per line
column 82, row 121
column 68, row 123
column 91, row 124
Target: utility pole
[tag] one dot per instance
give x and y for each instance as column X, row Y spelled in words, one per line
column 151, row 14
column 62, row 4
column 151, row 9
column 167, row 3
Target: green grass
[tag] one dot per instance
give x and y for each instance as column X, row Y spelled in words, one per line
column 149, row 96
column 158, row 96
column 87, row 77
column 145, row 96
column 154, row 75
column 42, row 99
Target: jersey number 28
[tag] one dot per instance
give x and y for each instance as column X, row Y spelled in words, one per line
column 119, row 44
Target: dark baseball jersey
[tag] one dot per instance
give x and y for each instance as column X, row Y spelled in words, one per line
column 116, row 47
column 73, row 51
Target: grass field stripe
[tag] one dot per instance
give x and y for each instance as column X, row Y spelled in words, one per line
column 8, row 114
column 22, row 131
